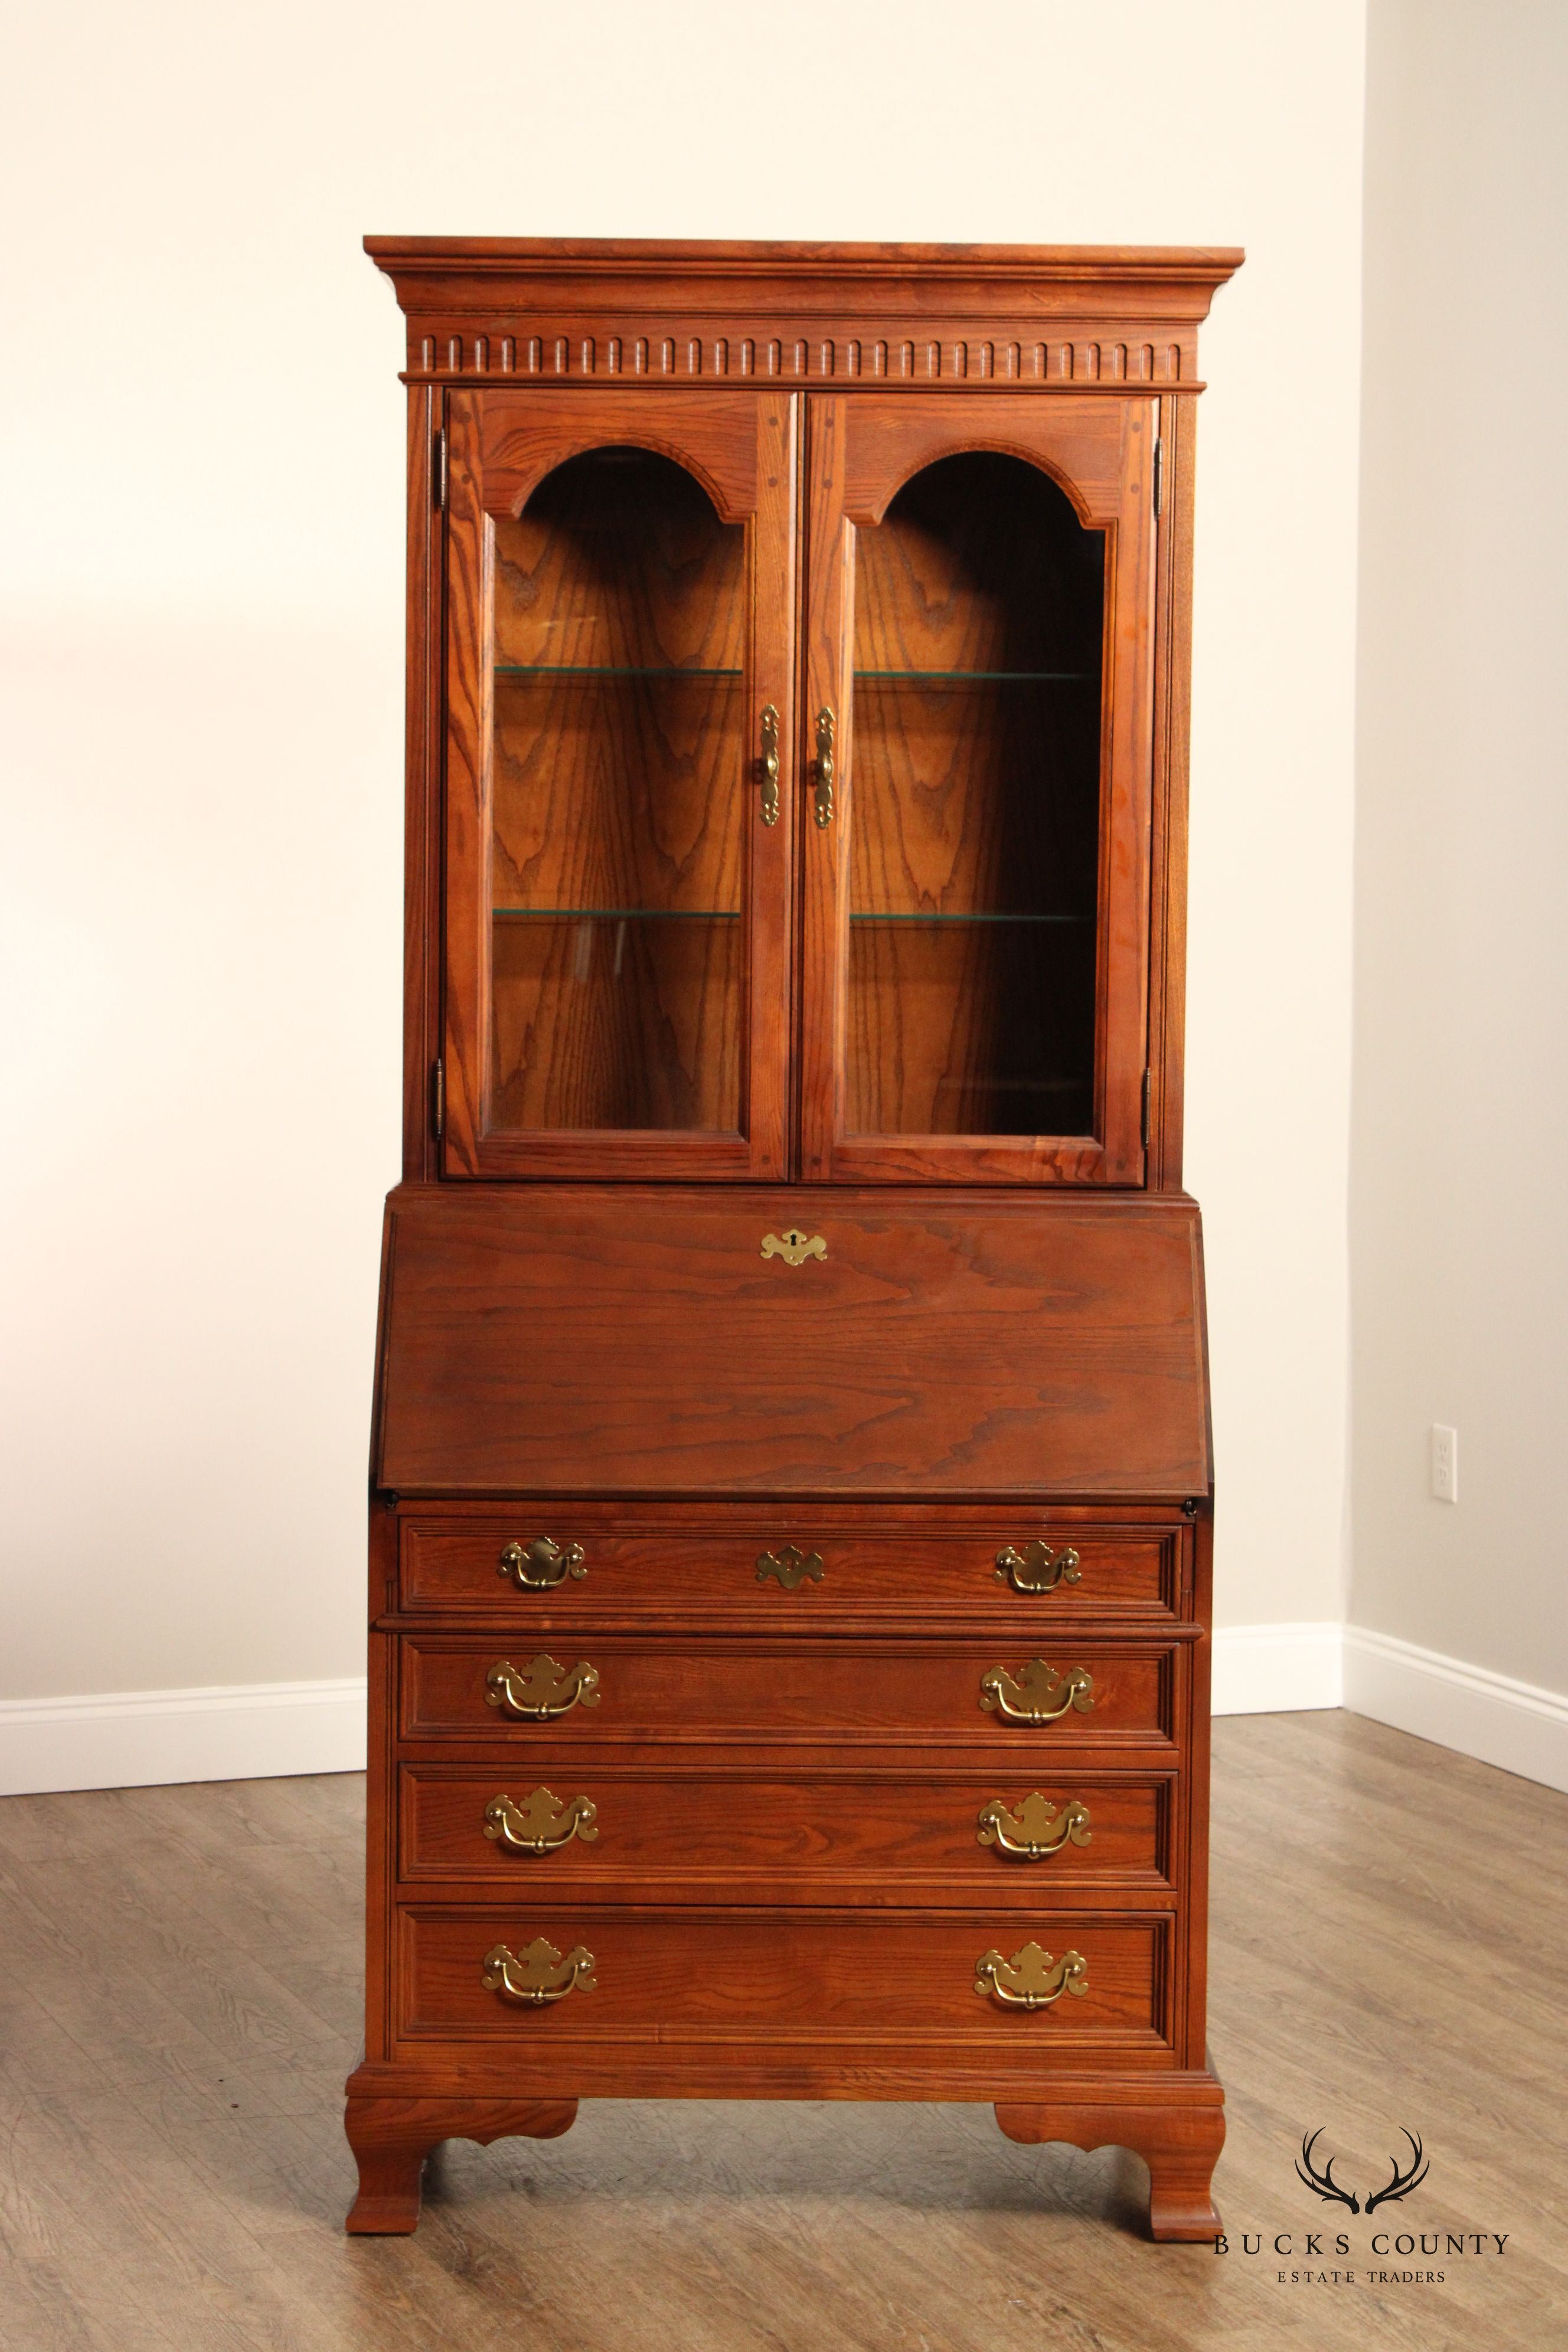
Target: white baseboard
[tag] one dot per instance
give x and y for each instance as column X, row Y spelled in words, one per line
column 140, row 1740
column 1490, row 1717
column 136, row 1739
column 1276, row 1669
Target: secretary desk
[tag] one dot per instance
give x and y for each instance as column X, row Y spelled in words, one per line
column 791, row 1495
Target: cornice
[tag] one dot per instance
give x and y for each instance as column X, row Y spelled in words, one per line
column 890, row 315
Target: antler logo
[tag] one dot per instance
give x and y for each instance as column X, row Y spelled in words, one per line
column 1323, row 2184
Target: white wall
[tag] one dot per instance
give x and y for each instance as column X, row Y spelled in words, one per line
column 1458, row 1231
column 201, row 586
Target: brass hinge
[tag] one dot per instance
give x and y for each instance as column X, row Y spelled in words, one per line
column 1145, row 1117
column 439, row 468
column 1159, row 474
column 438, row 1096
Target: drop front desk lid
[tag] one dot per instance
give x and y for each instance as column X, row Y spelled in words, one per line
column 622, row 1339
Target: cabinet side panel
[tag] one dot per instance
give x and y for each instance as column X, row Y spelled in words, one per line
column 1168, row 956
column 422, row 866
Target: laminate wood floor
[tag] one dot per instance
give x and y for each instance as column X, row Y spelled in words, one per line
column 179, row 2002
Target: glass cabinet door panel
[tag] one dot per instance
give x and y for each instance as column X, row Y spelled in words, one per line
column 618, row 808
column 620, row 589
column 975, row 907
column 974, row 844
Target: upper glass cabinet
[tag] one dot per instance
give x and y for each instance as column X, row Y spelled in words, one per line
column 975, row 963
column 618, row 878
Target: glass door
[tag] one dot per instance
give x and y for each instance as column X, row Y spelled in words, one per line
column 619, row 711
column 978, row 719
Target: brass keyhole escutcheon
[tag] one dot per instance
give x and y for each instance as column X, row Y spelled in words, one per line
column 1038, row 1569
column 535, row 1566
column 826, row 770
column 794, row 1247
column 770, row 765
column 791, row 1567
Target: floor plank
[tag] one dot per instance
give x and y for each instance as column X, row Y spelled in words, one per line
column 178, row 2007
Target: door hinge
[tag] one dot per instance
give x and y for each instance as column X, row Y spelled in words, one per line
column 1144, row 1122
column 1159, row 474
column 438, row 1097
column 439, row 468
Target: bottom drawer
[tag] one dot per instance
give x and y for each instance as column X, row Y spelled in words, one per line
column 544, row 1974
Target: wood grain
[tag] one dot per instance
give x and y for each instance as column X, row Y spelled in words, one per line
column 854, row 1693
column 703, row 1567
column 804, row 1976
column 636, row 1341
column 811, row 1830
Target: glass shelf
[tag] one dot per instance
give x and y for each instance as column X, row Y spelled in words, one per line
column 974, row 676
column 603, row 669
column 971, row 918
column 616, row 914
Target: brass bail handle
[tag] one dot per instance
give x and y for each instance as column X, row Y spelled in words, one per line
column 535, row 1566
column 770, row 765
column 1038, row 1568
column 824, row 768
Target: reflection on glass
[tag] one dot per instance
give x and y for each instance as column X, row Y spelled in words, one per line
column 616, row 952
column 975, row 828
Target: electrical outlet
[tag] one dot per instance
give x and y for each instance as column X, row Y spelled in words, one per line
column 1445, row 1462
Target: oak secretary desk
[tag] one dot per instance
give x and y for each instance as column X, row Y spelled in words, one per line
column 791, row 1509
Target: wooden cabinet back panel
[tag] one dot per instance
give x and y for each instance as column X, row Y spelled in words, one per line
column 753, row 1830
column 851, row 1691
column 467, row 1567
column 797, row 1974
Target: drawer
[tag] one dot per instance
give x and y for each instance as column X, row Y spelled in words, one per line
column 589, row 1687
column 551, row 1973
column 595, row 1828
column 786, row 1570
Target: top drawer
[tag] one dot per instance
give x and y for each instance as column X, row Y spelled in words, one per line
column 787, row 1570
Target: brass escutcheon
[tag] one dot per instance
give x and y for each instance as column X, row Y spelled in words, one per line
column 794, row 1247
column 1031, row 1979
column 540, row 1823
column 535, row 1566
column 1037, row 1693
column 770, row 766
column 1033, row 1829
column 542, row 1689
column 1038, row 1568
column 791, row 1567
column 538, row 1974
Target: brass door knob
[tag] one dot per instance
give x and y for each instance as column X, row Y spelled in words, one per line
column 1033, row 1829
column 826, row 769
column 1038, row 1568
column 540, row 1823
column 538, row 1974
column 535, row 1566
column 770, row 766
column 542, row 1689
column 1037, row 1693
column 1031, row 1979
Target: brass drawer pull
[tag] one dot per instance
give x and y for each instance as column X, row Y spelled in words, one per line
column 824, row 766
column 1031, row 1829
column 1038, row 1569
column 542, row 1689
column 791, row 1567
column 1037, row 1693
column 540, row 1973
column 1031, row 1979
column 535, row 1566
column 540, row 1823
column 770, row 766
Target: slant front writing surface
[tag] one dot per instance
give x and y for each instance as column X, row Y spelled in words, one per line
column 973, row 850
column 619, row 802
